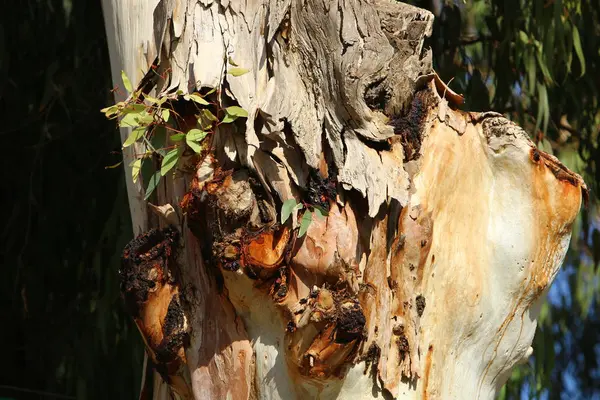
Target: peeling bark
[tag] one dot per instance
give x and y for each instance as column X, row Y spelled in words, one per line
column 444, row 228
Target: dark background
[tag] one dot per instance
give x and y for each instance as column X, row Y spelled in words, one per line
column 66, row 219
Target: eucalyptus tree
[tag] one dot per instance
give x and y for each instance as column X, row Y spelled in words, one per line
column 315, row 215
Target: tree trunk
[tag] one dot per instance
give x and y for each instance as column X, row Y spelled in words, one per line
column 441, row 233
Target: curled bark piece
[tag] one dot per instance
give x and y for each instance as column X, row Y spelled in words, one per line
column 167, row 214
column 446, row 93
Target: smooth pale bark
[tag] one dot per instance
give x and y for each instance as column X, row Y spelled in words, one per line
column 445, row 228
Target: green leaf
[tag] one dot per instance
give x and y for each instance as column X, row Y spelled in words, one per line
column 114, row 165
column 543, row 66
column 227, row 119
column 126, row 82
column 152, row 99
column 232, row 113
column 523, row 36
column 165, row 115
column 159, row 139
column 210, row 116
column 568, row 47
column 134, row 108
column 194, row 146
column 543, row 108
column 238, row 71
column 134, row 136
column 198, row 99
column 546, row 119
column 147, row 169
column 129, row 120
column 107, row 109
column 211, row 91
column 236, row 111
column 194, row 136
column 169, row 161
column 206, row 119
column 305, row 223
column 231, row 62
column 152, row 184
column 177, row 137
column 136, row 165
column 145, row 118
column 288, row 207
column 578, row 49
column 530, row 65
column 110, row 111
column 135, row 116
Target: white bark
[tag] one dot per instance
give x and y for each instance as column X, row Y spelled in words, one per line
column 129, row 27
column 447, row 228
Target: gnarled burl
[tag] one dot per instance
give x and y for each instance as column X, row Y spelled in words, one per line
column 444, row 228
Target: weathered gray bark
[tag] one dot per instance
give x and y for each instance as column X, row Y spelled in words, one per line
column 445, row 228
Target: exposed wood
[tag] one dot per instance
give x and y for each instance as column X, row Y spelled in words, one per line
column 443, row 233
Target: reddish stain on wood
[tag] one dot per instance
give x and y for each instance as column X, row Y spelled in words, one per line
column 427, row 371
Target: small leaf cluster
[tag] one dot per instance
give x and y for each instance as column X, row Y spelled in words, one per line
column 153, row 122
column 291, row 206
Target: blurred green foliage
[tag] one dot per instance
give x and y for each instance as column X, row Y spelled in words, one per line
column 66, row 217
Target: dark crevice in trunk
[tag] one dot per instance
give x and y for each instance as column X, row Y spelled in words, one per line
column 411, row 125
column 377, row 95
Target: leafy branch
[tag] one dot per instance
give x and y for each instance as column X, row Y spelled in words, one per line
column 153, row 122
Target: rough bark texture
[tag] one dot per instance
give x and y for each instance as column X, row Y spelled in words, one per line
column 444, row 228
